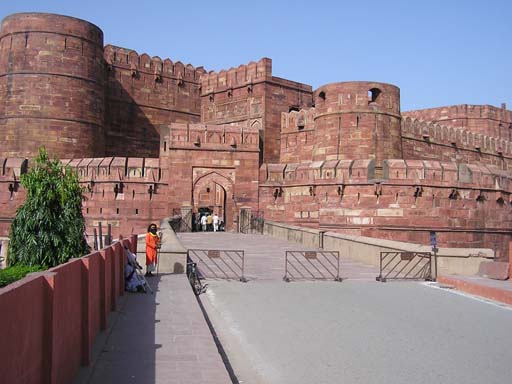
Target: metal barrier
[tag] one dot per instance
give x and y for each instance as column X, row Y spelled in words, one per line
column 312, row 265
column 226, row 264
column 406, row 266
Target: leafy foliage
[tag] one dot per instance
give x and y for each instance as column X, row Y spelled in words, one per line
column 49, row 228
column 11, row 274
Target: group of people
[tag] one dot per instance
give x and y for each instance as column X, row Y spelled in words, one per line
column 206, row 222
column 133, row 281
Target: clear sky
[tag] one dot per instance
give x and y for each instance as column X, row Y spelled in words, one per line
column 439, row 52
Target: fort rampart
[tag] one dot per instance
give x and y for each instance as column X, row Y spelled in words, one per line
column 152, row 137
column 51, row 85
column 465, row 203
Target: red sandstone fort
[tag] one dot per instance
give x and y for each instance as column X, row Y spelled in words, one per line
column 152, row 137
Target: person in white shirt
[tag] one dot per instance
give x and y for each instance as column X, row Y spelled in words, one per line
column 203, row 222
column 215, row 222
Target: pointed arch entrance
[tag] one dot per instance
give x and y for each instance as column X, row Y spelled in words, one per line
column 214, row 192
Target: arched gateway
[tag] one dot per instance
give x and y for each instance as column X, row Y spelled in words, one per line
column 214, row 192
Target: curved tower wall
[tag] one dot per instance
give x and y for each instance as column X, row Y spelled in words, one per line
column 51, row 86
column 357, row 120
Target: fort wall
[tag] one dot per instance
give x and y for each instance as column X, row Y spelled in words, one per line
column 143, row 93
column 127, row 193
column 465, row 203
column 51, row 86
column 217, row 167
column 152, row 137
column 250, row 95
column 431, row 141
column 357, row 120
column 481, row 119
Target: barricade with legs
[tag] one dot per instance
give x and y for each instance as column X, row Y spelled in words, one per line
column 312, row 265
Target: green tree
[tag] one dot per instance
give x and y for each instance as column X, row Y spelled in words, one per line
column 49, row 227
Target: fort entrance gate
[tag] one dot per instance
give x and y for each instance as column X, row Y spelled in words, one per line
column 215, row 192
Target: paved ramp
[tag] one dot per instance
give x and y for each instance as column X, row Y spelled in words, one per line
column 265, row 256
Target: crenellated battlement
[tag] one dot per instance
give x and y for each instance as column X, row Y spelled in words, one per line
column 396, row 171
column 204, row 136
column 296, row 121
column 454, row 137
column 462, row 111
column 243, row 75
column 131, row 60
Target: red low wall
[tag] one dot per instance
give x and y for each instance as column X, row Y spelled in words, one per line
column 49, row 320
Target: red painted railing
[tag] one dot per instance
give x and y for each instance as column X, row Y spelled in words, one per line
column 49, row 320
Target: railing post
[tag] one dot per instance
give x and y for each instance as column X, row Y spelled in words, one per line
column 321, row 239
column 100, row 233
column 95, row 234
column 108, row 238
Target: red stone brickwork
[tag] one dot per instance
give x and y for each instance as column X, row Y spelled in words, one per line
column 479, row 119
column 151, row 138
column 466, row 204
column 251, row 96
column 428, row 140
column 357, row 120
column 51, row 86
column 212, row 160
column 143, row 93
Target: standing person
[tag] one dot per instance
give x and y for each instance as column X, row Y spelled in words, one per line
column 209, row 221
column 203, row 222
column 152, row 244
column 215, row 222
column 198, row 222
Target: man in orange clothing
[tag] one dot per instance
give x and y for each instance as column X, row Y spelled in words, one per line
column 152, row 245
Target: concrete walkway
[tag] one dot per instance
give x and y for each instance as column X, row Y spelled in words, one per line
column 157, row 338
column 165, row 338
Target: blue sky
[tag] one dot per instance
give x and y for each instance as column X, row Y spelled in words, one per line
column 438, row 52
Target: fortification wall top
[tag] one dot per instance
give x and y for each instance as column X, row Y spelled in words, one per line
column 237, row 77
column 51, row 23
column 462, row 111
column 116, row 169
column 357, row 96
column 225, row 136
column 294, row 121
column 135, row 62
column 408, row 172
column 457, row 137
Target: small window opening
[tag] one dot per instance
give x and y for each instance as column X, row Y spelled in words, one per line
column 294, row 108
column 321, row 95
column 136, row 211
column 373, row 95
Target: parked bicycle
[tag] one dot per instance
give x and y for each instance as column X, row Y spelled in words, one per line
column 195, row 281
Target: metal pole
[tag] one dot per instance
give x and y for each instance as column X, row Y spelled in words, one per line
column 108, row 239
column 100, row 233
column 95, row 234
column 338, row 273
column 285, row 278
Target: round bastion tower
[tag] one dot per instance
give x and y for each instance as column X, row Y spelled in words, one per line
column 52, row 76
column 357, row 120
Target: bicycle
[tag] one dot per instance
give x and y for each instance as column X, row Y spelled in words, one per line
column 195, row 281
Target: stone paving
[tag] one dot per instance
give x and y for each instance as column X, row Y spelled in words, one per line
column 158, row 338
